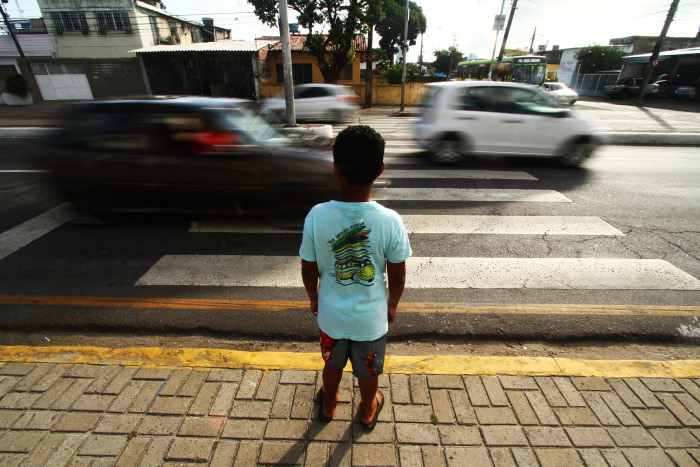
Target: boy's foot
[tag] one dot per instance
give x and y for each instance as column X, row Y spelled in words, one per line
column 377, row 405
column 322, row 412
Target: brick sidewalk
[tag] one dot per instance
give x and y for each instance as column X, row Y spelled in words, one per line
column 59, row 414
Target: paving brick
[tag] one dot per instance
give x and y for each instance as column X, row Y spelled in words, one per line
column 569, row 391
column 464, row 412
column 155, row 453
column 495, row 416
column 33, row 420
column 662, row 385
column 303, row 402
column 93, row 402
column 335, row 431
column 413, row 413
column 268, row 385
column 126, row 397
column 244, row 429
column 190, row 450
column 55, row 374
column 496, row 394
column 679, row 410
column 643, row 393
column 521, row 407
column 7, row 383
column 632, row 437
column 383, row 433
column 681, row 457
column 626, row 394
column 77, row 422
column 224, row 453
column 650, row 457
column 249, row 384
column 161, row 374
column 590, row 383
column 476, row 391
column 433, row 456
column 600, row 408
column 17, row 369
column 282, row 404
column 298, row 377
column 281, row 452
column 502, row 457
column 559, row 456
column 159, row 425
column 459, row 456
column 175, row 381
column 117, row 424
column 66, row 450
column 194, row 381
column 204, row 399
column 525, row 457
column 103, row 445
column 503, row 435
column 459, row 435
column 103, row 379
column 9, row 417
column 545, row 436
column 675, row 438
column 345, row 391
column 589, row 437
column 170, row 406
column 656, row 418
column 206, row 427
column 417, row 433
column 226, row 376
column 247, row 454
column 133, row 452
column 373, row 455
column 400, row 392
column 442, row 406
column 518, row 383
column 317, row 454
column 43, row 450
column 622, row 413
column 689, row 403
column 575, row 416
column 250, row 409
column 551, row 392
column 121, row 381
column 410, row 456
column 50, row 396
column 287, row 429
column 20, row 441
column 224, row 399
column 419, row 389
column 690, row 387
column 19, row 400
column 146, row 396
column 445, row 382
column 39, row 372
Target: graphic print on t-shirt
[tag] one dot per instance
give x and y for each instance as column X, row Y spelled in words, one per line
column 353, row 262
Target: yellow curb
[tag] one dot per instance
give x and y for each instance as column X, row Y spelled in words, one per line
column 394, row 364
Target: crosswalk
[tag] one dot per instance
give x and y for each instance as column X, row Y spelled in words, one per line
column 493, row 270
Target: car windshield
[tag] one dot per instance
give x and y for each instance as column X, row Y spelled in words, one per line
column 251, row 124
column 557, row 87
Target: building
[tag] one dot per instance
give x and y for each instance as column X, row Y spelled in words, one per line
column 681, row 65
column 636, row 45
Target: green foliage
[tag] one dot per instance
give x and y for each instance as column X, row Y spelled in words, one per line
column 16, row 84
column 444, row 59
column 595, row 58
column 393, row 73
column 391, row 28
column 342, row 19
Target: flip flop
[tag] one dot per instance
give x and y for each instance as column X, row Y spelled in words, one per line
column 321, row 416
column 370, row 426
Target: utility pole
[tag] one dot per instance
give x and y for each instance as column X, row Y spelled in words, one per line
column 653, row 60
column 287, row 65
column 404, row 48
column 505, row 35
column 533, row 39
column 452, row 55
column 9, row 29
column 420, row 57
column 498, row 29
column 369, row 74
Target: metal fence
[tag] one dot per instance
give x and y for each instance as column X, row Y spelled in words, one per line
column 592, row 84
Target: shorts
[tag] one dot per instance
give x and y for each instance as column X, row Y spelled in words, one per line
column 367, row 357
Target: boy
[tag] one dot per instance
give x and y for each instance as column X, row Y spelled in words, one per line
column 347, row 245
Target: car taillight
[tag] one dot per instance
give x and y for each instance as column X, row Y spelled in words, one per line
column 350, row 99
column 211, row 141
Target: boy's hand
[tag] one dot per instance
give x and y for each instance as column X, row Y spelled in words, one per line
column 314, row 306
column 391, row 312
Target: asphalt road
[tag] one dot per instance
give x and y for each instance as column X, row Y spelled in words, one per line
column 651, row 195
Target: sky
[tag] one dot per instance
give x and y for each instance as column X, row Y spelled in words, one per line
column 468, row 24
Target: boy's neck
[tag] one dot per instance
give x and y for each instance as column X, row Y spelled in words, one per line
column 356, row 194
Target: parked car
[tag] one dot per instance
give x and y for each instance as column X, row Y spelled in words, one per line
column 624, row 88
column 686, row 92
column 184, row 155
column 561, row 92
column 497, row 118
column 326, row 102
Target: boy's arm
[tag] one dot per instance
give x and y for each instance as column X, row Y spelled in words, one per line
column 309, row 274
column 396, row 280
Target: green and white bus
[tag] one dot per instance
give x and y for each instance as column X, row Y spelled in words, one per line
column 528, row 69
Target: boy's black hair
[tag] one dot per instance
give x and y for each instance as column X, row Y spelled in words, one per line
column 359, row 153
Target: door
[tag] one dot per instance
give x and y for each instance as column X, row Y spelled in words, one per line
column 62, row 81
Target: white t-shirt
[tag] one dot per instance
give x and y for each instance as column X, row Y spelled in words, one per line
column 350, row 243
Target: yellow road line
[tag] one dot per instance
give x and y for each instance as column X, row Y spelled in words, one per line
column 394, row 364
column 292, row 305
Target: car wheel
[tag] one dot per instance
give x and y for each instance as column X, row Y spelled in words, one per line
column 575, row 154
column 448, row 151
column 625, row 94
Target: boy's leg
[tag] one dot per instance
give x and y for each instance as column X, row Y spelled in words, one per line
column 331, row 383
column 370, row 403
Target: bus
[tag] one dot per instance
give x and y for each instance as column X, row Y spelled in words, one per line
column 528, row 69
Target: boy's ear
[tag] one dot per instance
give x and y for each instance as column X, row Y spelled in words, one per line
column 382, row 171
column 337, row 173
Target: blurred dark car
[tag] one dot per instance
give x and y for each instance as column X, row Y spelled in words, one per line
column 203, row 155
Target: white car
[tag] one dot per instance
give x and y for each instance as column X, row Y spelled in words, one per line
column 329, row 102
column 561, row 92
column 497, row 118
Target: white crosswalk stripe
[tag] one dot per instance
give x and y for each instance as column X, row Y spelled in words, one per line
column 463, row 174
column 469, row 194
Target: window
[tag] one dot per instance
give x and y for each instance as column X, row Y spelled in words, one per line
column 154, row 28
column 347, row 72
column 113, row 21
column 475, row 99
column 301, row 73
column 70, row 21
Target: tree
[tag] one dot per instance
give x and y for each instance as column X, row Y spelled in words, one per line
column 595, row 58
column 446, row 60
column 344, row 19
column 393, row 74
column 391, row 28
